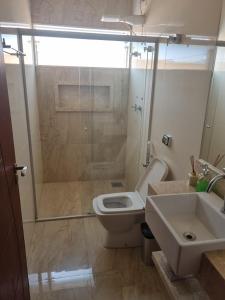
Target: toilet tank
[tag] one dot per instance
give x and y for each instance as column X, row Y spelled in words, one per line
column 156, row 171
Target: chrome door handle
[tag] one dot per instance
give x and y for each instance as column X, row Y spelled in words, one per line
column 22, row 169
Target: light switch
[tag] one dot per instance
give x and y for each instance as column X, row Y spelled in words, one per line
column 167, row 140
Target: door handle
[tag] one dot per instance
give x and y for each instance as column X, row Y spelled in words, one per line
column 22, row 169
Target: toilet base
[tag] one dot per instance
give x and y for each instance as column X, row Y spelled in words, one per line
column 128, row 239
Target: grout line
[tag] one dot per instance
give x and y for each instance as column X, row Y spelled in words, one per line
column 39, row 220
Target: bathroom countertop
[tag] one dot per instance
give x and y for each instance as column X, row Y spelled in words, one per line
column 212, row 274
column 217, row 259
column 170, row 187
column 187, row 288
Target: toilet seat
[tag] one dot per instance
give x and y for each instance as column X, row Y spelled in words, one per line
column 119, row 203
column 128, row 202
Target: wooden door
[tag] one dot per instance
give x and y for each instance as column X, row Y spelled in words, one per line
column 13, row 269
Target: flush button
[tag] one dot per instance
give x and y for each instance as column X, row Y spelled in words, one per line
column 167, row 140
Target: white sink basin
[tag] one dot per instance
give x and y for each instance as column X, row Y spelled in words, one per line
column 185, row 226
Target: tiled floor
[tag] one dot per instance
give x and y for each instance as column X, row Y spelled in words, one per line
column 67, row 261
column 72, row 198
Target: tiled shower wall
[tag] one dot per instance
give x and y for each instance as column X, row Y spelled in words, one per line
column 83, row 117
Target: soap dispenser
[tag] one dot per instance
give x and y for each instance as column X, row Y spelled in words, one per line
column 203, row 181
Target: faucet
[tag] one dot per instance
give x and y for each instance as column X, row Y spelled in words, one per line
column 211, row 184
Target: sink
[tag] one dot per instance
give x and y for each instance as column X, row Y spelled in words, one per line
column 185, row 226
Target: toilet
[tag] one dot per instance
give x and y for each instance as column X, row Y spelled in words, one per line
column 122, row 213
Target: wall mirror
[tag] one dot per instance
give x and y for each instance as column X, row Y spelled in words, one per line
column 213, row 142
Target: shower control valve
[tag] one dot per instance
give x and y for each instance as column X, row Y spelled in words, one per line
column 137, row 107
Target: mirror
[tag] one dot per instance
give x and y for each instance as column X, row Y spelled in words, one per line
column 213, row 142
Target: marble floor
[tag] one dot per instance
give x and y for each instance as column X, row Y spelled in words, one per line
column 67, row 261
column 73, row 198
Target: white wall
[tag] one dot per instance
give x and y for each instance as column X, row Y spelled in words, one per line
column 179, row 110
column 15, row 11
column 197, row 17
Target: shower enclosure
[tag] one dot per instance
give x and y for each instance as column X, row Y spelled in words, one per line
column 88, row 102
column 80, row 112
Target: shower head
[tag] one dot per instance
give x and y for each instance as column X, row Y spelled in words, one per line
column 131, row 20
column 110, row 19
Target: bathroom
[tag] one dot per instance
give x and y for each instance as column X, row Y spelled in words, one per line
column 94, row 87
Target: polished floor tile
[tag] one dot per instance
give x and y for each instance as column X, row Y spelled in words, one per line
column 67, row 260
column 58, row 246
column 72, row 198
column 107, row 286
column 68, row 294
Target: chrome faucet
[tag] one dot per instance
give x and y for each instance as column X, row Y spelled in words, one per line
column 211, row 184
column 214, row 180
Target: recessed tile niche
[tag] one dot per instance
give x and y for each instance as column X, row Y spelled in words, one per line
column 86, row 98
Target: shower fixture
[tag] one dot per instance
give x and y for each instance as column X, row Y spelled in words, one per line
column 137, row 107
column 135, row 15
column 176, row 38
column 136, row 54
column 10, row 50
column 149, row 49
column 130, row 20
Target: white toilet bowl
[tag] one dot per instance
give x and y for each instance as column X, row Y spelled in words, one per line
column 122, row 213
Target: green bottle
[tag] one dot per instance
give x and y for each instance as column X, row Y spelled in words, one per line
column 203, row 182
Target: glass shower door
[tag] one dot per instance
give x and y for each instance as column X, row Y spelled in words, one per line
column 82, row 95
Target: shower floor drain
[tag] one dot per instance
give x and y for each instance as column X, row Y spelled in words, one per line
column 189, row 236
column 116, row 184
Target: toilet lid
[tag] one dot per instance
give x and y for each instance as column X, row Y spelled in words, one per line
column 155, row 172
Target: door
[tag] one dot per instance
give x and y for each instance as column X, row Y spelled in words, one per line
column 13, row 270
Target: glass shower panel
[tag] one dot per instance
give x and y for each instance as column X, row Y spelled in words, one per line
column 82, row 95
column 33, row 116
column 109, row 90
column 140, row 87
column 20, row 134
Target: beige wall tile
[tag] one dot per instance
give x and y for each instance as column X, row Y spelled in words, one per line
column 82, row 145
column 76, row 13
column 16, row 11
